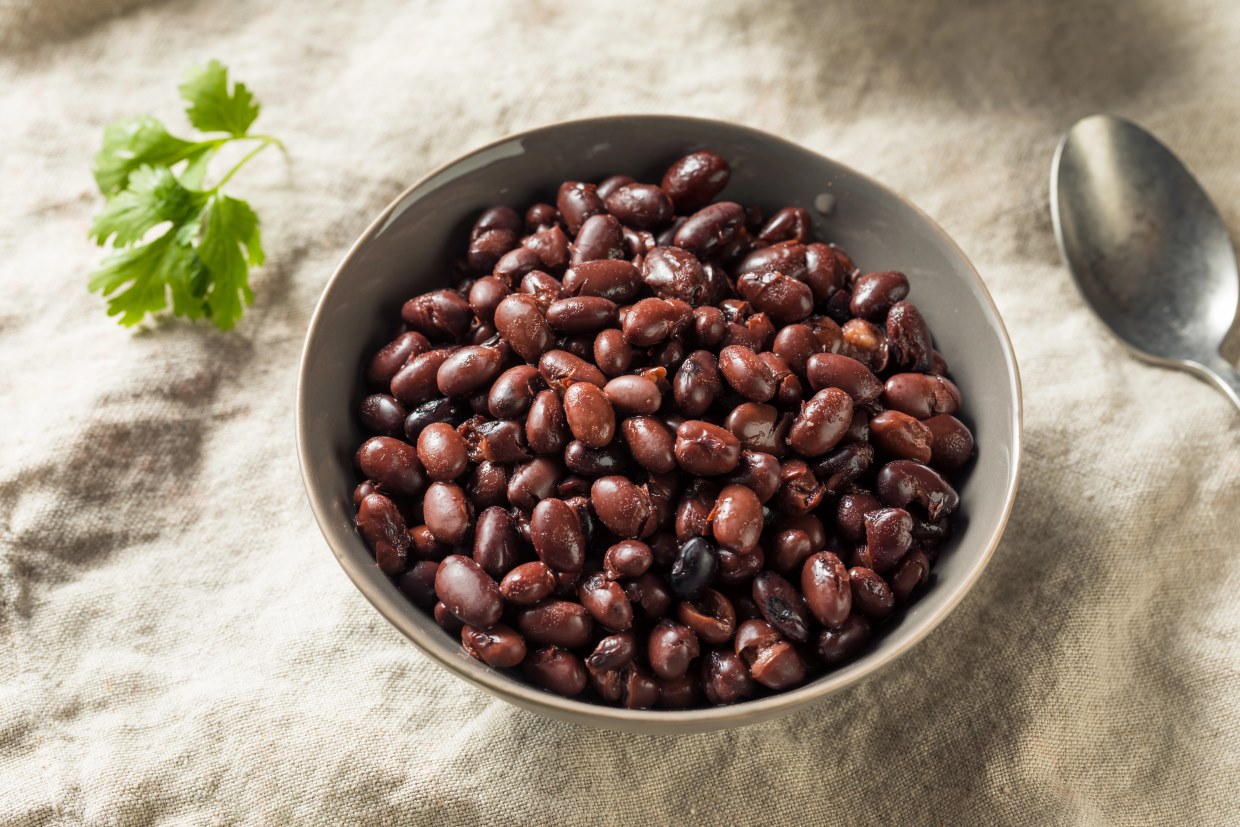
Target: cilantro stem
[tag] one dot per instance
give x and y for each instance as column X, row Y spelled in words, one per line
column 267, row 141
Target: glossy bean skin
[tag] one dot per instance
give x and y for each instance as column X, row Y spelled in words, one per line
column 417, row 381
column 757, row 471
column 782, row 297
column 546, row 428
column 921, row 395
column 795, row 344
column 577, row 201
column 651, row 443
column 833, row 370
column 595, row 462
column 527, row 584
column 736, row 519
column 560, row 369
column 651, row 594
column 551, row 247
column 438, row 315
column 515, row 265
column 725, row 678
column 710, row 229
column 581, row 314
column 468, row 592
column 633, row 395
column 748, row 375
column 393, row 356
column 591, row 418
column 908, row 338
column 781, row 605
column 652, row 321
column 383, row 529
column 708, row 327
column 789, row 550
column 612, row 353
column 512, row 392
column 672, row 647
column 778, row 666
column 556, row 623
column 612, row 183
column 628, row 558
column 822, row 423
column 613, row 652
column 844, row 465
column 606, row 602
column 912, row 571
column 448, row 514
column 800, row 492
column 871, row 594
column 843, row 643
column 827, row 589
column 496, row 546
column 544, row 287
column 519, row 319
column 788, row 224
column 468, row 369
column 902, row 436
column 382, row 414
column 600, row 237
column 694, row 569
column 556, row 670
column 392, row 464
column 614, row 279
column 874, row 293
column 499, row 646
column 904, row 481
column 673, row 273
column 711, row 617
column 642, row 206
column 556, row 535
column 494, row 440
column 485, row 295
column 534, row 481
column 698, row 383
column 442, row 452
column 850, row 514
column 706, row 450
column 760, row 427
column 951, row 442
column 418, row 584
column 623, row 506
column 695, row 179
column 451, row 411
column 785, row 257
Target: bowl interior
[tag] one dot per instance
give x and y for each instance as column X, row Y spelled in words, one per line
column 406, row 252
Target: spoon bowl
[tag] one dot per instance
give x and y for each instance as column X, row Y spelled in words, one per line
column 1146, row 247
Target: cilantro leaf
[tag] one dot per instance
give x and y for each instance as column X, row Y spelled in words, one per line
column 153, row 197
column 135, row 279
column 229, row 243
column 211, row 107
column 131, row 143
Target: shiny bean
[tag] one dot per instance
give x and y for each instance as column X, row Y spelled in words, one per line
column 383, row 529
column 951, row 442
column 451, row 411
column 874, row 293
column 908, row 338
column 590, row 415
column 417, row 381
column 494, row 440
column 499, row 646
column 708, row 326
column 449, row 514
column 843, row 643
column 695, row 179
column 623, row 506
column 513, row 266
column 468, row 592
column 556, row 535
column 577, row 201
column 556, row 670
column 787, row 257
column 760, row 427
column 600, row 237
column 606, row 602
column 822, row 423
column 698, row 383
column 850, row 514
column 711, row 617
column 904, row 481
column 870, row 593
column 418, row 584
column 706, row 450
column 438, row 315
column 640, row 205
column 551, row 246
column 693, row 511
column 865, row 342
column 795, row 344
column 442, row 452
column 736, row 519
column 671, row 648
column 782, row 297
column 694, row 568
column 824, row 273
column 628, row 558
column 827, row 589
column 393, row 356
column 527, row 584
column 546, row 429
column 511, row 394
column 612, row 183
column 469, row 369
column 748, row 375
column 781, row 605
column 485, row 295
column 844, row 465
column 789, row 224
column 725, row 678
column 392, row 464
column 757, row 471
column 534, row 481
column 581, row 314
column 651, row 321
column 382, row 414
column 520, row 320
column 673, row 273
column 920, row 395
column 778, row 666
column 633, row 395
column 560, row 369
column 788, row 551
column 595, row 462
column 711, row 228
column 912, row 571
column 610, row 278
column 833, row 370
column 496, row 218
column 544, row 287
column 612, row 353
column 557, row 623
column 800, row 492
column 902, row 436
column 651, row 443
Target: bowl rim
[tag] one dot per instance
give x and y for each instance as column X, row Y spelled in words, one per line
column 527, row 696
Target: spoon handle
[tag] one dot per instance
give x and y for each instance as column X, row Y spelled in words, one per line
column 1227, row 378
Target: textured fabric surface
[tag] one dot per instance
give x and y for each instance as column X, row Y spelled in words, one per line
column 177, row 645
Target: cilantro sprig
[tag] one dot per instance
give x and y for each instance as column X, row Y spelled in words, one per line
column 173, row 238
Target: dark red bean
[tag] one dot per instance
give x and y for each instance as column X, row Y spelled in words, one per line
column 695, row 179
column 870, row 593
column 671, row 648
column 865, row 342
column 519, row 319
column 511, row 394
column 449, row 622
column 698, row 383
column 556, row 670
column 752, row 636
column 640, row 205
column 469, row 369
column 600, row 237
column 449, row 514
column 590, row 415
column 582, row 314
column 494, row 440
column 694, row 569
column 757, row 471
column 442, row 452
column 830, row 335
column 706, row 450
column 788, row 551
column 738, row 569
column 451, row 411
column 673, row 273
column 496, row 546
column 651, row 321
column 382, row 414
column 679, row 693
column 781, row 605
column 595, row 462
column 800, row 491
column 651, row 593
column 417, row 381
column 844, row 465
column 513, row 266
column 782, row 297
column 556, row 623
column 912, row 571
column 786, row 257
column 789, row 224
column 711, row 617
column 822, row 423
column 546, row 429
column 760, row 427
column 527, row 584
column 606, row 602
column 425, row 546
column 560, row 369
column 874, row 293
column 725, row 678
column 623, row 506
column 823, row 272
column 651, row 443
column 557, row 536
column 795, row 344
column 392, row 464
column 499, row 646
column 904, row 481
column 633, row 395
column 383, row 528
column 778, row 666
column 393, row 356
column 711, row 228
column 908, row 338
column 850, row 514
column 418, row 584
column 628, row 558
column 614, row 279
column 440, row 314
column 920, row 395
column 748, row 375
column 544, row 287
column 708, row 326
column 534, row 481
column 468, row 592
column 496, row 218
column 833, row 370
column 736, row 519
column 951, row 442
column 485, row 295
column 612, row 183
column 827, row 589
column 540, row 216
column 576, row 202
column 551, row 246
column 808, row 523
column 844, row 642
column 693, row 511
column 902, row 436
column 612, row 353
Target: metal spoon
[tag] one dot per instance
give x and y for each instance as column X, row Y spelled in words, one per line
column 1147, row 248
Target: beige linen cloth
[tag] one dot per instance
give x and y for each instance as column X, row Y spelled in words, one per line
column 177, row 644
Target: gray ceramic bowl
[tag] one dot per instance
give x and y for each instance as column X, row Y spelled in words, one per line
column 406, row 250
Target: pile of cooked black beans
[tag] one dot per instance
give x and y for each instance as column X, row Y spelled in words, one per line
column 653, row 449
